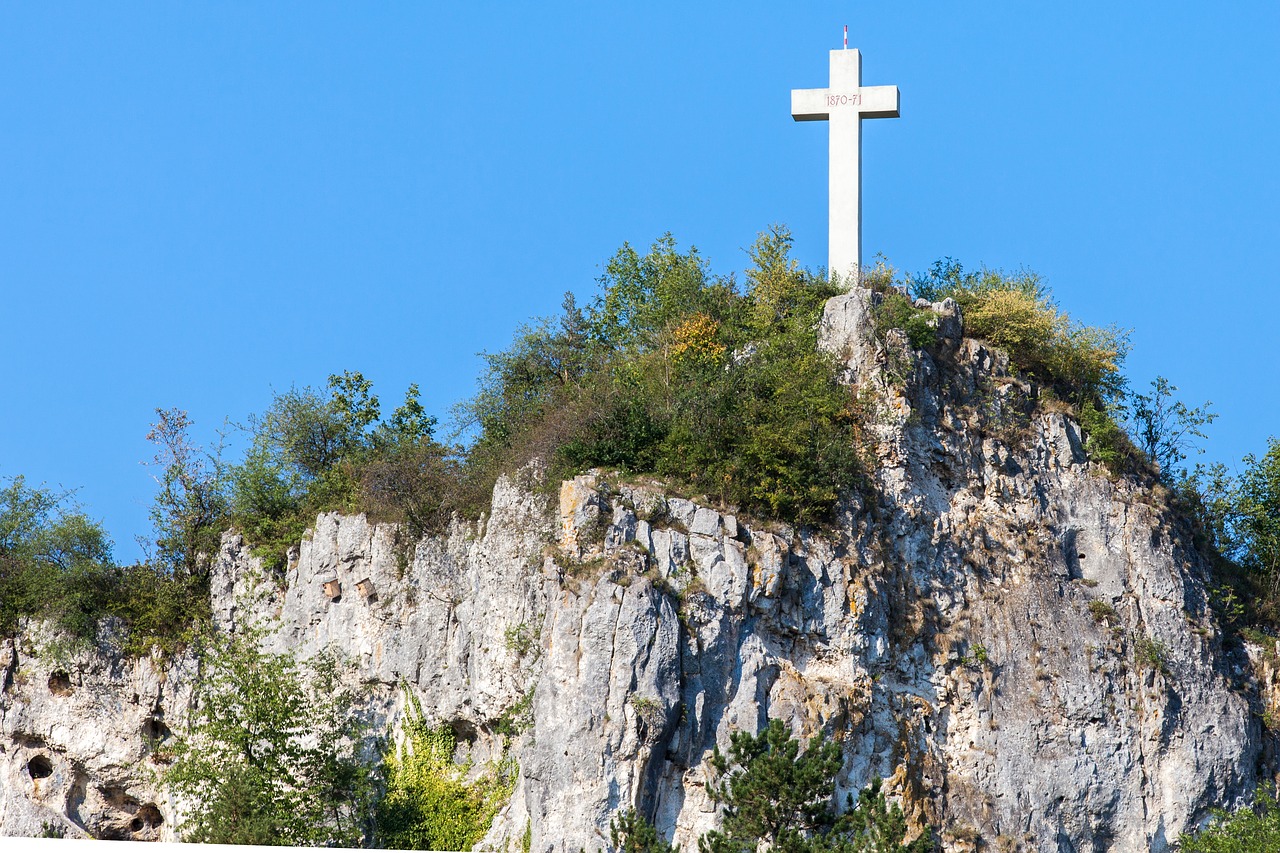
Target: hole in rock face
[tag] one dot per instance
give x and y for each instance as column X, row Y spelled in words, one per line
column 118, row 798
column 135, row 824
column 40, row 767
column 155, row 730
column 149, row 816
column 464, row 732
column 60, row 684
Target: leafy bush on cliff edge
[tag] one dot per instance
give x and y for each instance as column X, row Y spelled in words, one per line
column 1077, row 363
column 56, row 565
column 674, row 372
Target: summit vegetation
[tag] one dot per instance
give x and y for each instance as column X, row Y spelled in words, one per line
column 675, row 372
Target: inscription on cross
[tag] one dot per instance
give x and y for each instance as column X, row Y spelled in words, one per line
column 843, row 105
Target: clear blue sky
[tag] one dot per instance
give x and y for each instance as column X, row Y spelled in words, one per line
column 202, row 202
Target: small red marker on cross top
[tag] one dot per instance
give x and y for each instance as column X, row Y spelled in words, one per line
column 846, row 36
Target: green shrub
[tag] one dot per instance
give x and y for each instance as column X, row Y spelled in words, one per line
column 428, row 804
column 1103, row 612
column 55, row 564
column 1242, row 831
column 775, row 794
column 1254, row 519
column 1237, row 525
column 896, row 311
column 631, row 832
column 673, row 372
column 191, row 509
column 269, row 756
column 1015, row 312
column 1150, row 654
column 313, row 452
column 1105, row 440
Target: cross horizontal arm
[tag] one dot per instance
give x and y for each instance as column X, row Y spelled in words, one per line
column 809, row 104
column 879, row 101
column 866, row 101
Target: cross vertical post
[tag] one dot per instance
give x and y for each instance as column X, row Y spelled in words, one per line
column 843, row 105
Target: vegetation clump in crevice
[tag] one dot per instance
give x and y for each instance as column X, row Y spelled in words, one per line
column 430, row 802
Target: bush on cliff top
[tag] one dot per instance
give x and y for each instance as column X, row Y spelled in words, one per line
column 56, row 564
column 1077, row 363
column 674, row 372
column 314, row 451
column 1017, row 313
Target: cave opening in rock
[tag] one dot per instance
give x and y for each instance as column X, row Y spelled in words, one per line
column 40, row 767
column 148, row 817
column 154, row 730
column 60, row 683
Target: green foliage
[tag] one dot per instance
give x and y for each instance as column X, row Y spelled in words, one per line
column 517, row 718
column 55, row 564
column 1247, row 830
column 1255, row 515
column 1105, row 440
column 519, row 639
column 43, row 527
column 875, row 826
column 672, row 372
column 270, row 753
column 1150, row 654
column 1166, row 428
column 631, row 832
column 1080, row 363
column 312, row 452
column 429, row 804
column 1102, row 612
column 775, row 794
column 1238, row 521
column 192, row 508
column 980, row 657
column 896, row 311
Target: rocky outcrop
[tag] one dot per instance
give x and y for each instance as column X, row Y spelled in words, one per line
column 84, row 736
column 1020, row 644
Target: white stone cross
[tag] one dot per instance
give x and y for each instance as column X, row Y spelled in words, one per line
column 843, row 105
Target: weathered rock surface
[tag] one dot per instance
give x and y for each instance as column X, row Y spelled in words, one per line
column 1020, row 644
column 83, row 739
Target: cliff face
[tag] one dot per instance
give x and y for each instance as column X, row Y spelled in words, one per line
column 1020, row 644
column 82, row 740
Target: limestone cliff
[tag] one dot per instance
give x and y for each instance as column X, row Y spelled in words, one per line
column 1020, row 643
